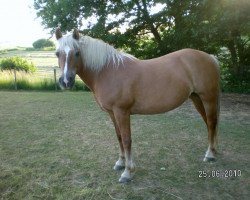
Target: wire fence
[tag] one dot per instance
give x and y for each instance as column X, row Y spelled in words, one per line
column 47, row 72
column 40, row 74
column 45, row 78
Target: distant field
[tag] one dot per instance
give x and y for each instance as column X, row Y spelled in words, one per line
column 60, row 145
column 39, row 58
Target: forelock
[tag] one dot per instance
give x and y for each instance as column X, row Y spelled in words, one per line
column 67, row 41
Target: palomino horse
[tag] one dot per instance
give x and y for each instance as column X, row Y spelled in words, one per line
column 124, row 85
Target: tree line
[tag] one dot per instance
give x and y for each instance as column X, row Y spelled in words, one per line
column 151, row 28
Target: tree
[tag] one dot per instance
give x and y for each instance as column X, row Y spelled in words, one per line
column 229, row 27
column 234, row 24
column 42, row 43
column 135, row 26
column 170, row 28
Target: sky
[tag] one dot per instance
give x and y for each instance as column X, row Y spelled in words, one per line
column 19, row 24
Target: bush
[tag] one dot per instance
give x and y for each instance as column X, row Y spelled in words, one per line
column 18, row 64
column 43, row 43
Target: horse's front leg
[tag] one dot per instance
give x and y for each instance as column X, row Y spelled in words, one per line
column 122, row 119
column 120, row 163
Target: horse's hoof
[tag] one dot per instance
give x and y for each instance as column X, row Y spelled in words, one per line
column 118, row 167
column 124, row 180
column 209, row 159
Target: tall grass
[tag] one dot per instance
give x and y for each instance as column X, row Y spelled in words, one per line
column 24, row 81
column 31, row 81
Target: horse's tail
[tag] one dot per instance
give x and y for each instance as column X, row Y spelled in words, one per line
column 218, row 68
column 217, row 63
column 218, row 116
column 215, row 60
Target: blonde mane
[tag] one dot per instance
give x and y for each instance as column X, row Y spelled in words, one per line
column 95, row 53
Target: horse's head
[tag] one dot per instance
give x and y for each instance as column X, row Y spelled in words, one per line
column 68, row 55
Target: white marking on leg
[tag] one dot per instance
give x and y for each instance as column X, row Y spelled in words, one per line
column 129, row 170
column 119, row 163
column 131, row 165
column 126, row 174
column 65, row 80
column 209, row 155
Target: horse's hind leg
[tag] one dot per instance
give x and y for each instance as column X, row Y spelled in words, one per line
column 211, row 106
column 199, row 106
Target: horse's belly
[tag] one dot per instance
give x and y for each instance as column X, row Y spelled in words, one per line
column 159, row 103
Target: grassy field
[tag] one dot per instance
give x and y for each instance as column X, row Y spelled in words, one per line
column 39, row 58
column 42, row 79
column 62, row 146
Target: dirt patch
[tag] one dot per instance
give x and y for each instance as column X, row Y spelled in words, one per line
column 235, row 106
column 232, row 99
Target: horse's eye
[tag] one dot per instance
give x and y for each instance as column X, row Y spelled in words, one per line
column 77, row 53
column 57, row 53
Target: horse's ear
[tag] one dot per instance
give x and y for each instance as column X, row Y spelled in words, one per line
column 76, row 34
column 58, row 33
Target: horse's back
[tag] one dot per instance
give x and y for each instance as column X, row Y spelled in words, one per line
column 192, row 67
column 166, row 82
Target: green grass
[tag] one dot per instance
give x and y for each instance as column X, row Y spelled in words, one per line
column 62, row 146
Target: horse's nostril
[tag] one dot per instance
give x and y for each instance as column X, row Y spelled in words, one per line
column 61, row 82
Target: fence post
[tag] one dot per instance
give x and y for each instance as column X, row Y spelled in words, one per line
column 55, row 79
column 15, row 79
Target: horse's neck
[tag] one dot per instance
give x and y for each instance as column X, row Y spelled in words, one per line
column 91, row 78
column 88, row 77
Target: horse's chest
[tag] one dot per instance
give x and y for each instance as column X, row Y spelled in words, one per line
column 104, row 106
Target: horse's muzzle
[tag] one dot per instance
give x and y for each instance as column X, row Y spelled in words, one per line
column 67, row 83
